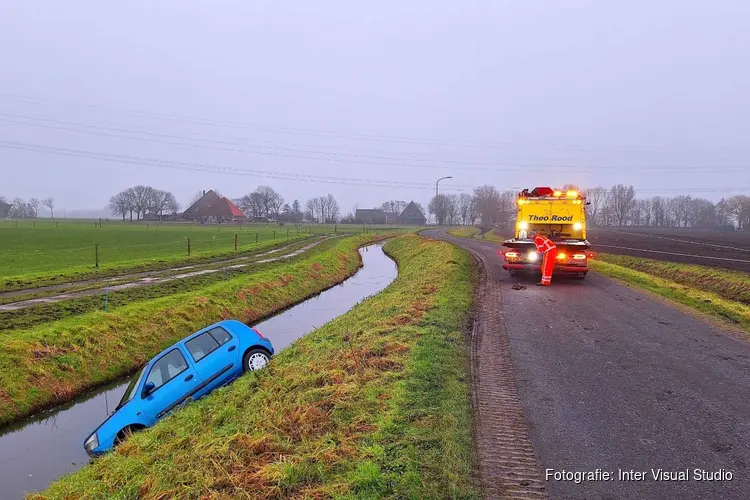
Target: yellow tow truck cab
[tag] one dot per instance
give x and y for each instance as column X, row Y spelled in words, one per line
column 560, row 216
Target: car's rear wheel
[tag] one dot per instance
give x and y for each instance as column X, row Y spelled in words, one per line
column 255, row 359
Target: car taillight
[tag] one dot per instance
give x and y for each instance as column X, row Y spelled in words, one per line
column 511, row 255
column 561, row 256
column 579, row 256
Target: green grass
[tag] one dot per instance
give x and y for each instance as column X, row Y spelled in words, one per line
column 374, row 404
column 464, row 231
column 52, row 363
column 731, row 285
column 47, row 312
column 495, row 235
column 692, row 290
column 44, row 251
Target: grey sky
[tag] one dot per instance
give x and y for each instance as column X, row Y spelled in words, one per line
column 604, row 91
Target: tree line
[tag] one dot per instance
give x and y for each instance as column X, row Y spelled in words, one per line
column 615, row 206
column 19, row 208
column 142, row 200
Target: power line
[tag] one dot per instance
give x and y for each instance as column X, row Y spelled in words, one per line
column 160, row 163
column 449, row 164
column 304, row 131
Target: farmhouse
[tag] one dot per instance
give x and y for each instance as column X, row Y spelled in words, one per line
column 411, row 215
column 212, row 207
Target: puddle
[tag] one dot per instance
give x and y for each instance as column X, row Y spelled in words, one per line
column 38, row 450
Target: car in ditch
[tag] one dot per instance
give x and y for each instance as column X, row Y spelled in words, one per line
column 185, row 371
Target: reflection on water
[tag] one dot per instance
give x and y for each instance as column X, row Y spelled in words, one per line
column 38, row 450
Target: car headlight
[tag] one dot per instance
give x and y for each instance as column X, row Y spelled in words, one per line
column 91, row 443
column 577, row 226
column 523, row 225
column 533, row 256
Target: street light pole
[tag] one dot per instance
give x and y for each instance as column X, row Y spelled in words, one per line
column 436, row 194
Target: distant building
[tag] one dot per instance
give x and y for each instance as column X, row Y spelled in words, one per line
column 5, row 209
column 375, row 216
column 412, row 216
column 213, row 208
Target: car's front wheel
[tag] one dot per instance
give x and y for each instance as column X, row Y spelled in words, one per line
column 255, row 359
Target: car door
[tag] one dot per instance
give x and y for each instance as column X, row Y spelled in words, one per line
column 175, row 381
column 215, row 355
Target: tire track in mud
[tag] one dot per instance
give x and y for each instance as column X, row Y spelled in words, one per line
column 147, row 281
column 508, row 466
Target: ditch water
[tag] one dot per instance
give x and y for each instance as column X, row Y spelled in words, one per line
column 40, row 449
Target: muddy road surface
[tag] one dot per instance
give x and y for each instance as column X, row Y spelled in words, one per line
column 588, row 376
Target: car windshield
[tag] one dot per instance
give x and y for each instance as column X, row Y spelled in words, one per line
column 130, row 391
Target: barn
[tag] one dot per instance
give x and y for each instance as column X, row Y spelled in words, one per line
column 213, row 208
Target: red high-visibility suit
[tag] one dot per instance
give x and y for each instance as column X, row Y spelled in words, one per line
column 549, row 253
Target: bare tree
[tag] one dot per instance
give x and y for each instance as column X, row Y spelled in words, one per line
column 596, row 199
column 621, row 200
column 312, row 209
column 739, row 209
column 119, row 204
column 50, row 204
column 332, row 208
column 439, row 207
column 466, row 211
column 487, row 202
column 35, row 204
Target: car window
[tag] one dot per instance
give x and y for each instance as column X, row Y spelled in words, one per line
column 220, row 335
column 168, row 367
column 201, row 346
column 130, row 391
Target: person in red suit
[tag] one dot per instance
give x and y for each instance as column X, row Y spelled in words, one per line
column 547, row 248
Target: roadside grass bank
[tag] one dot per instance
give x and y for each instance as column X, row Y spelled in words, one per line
column 11, row 279
column 691, row 290
column 731, row 285
column 494, row 236
column 48, row 312
column 52, row 363
column 464, row 231
column 373, row 404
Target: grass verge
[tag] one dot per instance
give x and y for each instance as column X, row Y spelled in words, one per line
column 731, row 285
column 494, row 236
column 464, row 231
column 688, row 292
column 374, row 404
column 52, row 363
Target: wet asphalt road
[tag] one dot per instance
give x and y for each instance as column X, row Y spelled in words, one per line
column 610, row 378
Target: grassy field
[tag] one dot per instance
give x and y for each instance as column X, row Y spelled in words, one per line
column 35, row 253
column 464, row 231
column 53, row 362
column 719, row 294
column 375, row 404
column 48, row 312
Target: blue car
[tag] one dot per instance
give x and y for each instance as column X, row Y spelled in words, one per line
column 186, row 371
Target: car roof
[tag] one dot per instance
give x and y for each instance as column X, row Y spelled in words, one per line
column 226, row 323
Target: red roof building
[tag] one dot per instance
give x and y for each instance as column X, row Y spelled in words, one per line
column 212, row 207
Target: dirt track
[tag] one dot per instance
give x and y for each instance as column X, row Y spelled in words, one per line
column 704, row 247
column 594, row 375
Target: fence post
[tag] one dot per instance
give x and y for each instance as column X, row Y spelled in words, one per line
column 235, row 241
column 96, row 251
column 335, row 228
column 274, row 234
column 287, row 233
column 188, row 247
column 256, row 238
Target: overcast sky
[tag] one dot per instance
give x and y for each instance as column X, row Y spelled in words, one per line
column 234, row 94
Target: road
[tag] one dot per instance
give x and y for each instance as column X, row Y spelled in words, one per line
column 588, row 375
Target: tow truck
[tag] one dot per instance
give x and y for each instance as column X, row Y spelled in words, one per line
column 559, row 215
